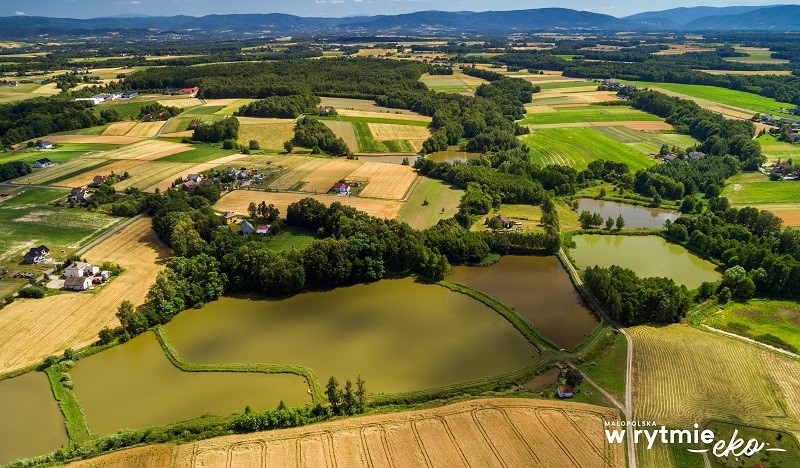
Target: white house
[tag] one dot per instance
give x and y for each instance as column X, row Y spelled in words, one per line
column 94, row 101
column 78, row 283
column 44, row 162
column 564, row 391
column 80, row 269
column 341, row 187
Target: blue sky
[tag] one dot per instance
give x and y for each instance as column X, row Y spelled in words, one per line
column 97, row 8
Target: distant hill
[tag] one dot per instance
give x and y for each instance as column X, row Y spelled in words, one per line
column 779, row 18
column 681, row 16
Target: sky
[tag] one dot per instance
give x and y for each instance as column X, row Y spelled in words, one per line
column 333, row 8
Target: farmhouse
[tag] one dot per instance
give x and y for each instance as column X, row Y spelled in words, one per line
column 247, row 228
column 80, row 269
column 93, row 100
column 695, row 155
column 505, row 222
column 228, row 216
column 78, row 283
column 189, row 185
column 341, row 187
column 98, row 180
column 564, row 391
column 768, row 119
column 189, row 90
column 44, row 162
column 39, row 254
column 45, row 145
column 263, row 230
column 14, row 147
column 129, row 95
column 194, row 177
column 79, row 194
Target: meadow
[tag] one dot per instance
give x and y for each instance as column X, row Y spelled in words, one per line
column 588, row 114
column 577, row 147
column 755, row 188
column 607, row 366
column 646, row 142
column 202, row 154
column 773, row 322
column 430, row 200
column 28, row 219
column 729, row 97
column 776, row 150
column 270, row 134
column 69, row 169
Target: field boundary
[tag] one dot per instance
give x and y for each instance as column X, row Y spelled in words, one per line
column 751, row 341
column 317, row 394
column 74, row 419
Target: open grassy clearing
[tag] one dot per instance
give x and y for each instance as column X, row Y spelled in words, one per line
column 84, row 178
column 564, row 84
column 607, row 366
column 646, row 142
column 238, row 200
column 32, row 329
column 62, row 138
column 529, row 216
column 167, row 182
column 683, row 376
column 205, row 110
column 345, row 131
column 442, row 203
column 234, row 106
column 588, row 114
column 269, row 133
column 366, row 141
column 151, row 173
column 755, row 188
column 196, row 155
column 388, row 181
column 127, row 109
column 28, row 219
column 756, row 55
column 759, row 319
column 577, row 147
column 63, row 171
column 96, row 130
column 342, row 105
column 776, row 150
column 455, row 83
column 727, row 97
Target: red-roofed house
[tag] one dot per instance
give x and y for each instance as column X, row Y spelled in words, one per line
column 189, row 90
column 564, row 391
column 263, row 230
column 341, row 187
column 98, row 180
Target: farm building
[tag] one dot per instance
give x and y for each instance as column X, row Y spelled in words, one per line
column 189, row 90
column 93, row 100
column 694, row 155
column 78, row 283
column 44, row 162
column 39, row 254
column 189, row 185
column 79, row 194
column 98, row 180
column 341, row 187
column 129, row 95
column 14, row 147
column 247, row 228
column 505, row 222
column 263, row 230
column 80, row 269
column 228, row 216
column 45, row 145
column 564, row 391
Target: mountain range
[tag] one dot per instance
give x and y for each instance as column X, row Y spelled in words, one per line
column 783, row 18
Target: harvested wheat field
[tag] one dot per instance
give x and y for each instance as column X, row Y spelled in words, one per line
column 323, row 178
column 389, row 114
column 147, row 150
column 152, row 172
column 31, row 329
column 391, row 181
column 645, row 125
column 291, row 180
column 167, row 182
column 684, row 375
column 150, row 456
column 101, row 139
column 145, row 129
column 415, row 134
column 119, row 128
column 238, row 200
column 117, row 167
column 269, row 133
column 49, row 174
column 346, row 104
column 182, row 102
column 537, row 109
column 345, row 131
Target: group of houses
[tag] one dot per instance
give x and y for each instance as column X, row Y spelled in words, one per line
column 784, row 171
column 691, row 156
column 243, row 175
column 246, row 228
column 195, row 180
column 103, row 97
column 37, row 255
column 790, row 126
column 40, row 146
column 80, row 276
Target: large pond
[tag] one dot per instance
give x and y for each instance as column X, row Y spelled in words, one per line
column 30, row 421
column 134, row 385
column 635, row 216
column 398, row 335
column 648, row 256
column 540, row 290
column 452, row 156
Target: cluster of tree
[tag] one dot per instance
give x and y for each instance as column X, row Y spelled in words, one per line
column 311, row 133
column 594, row 220
column 346, row 401
column 225, row 129
column 746, row 237
column 280, row 418
column 159, row 111
column 631, row 300
column 263, row 212
column 14, row 169
column 129, row 203
column 440, row 70
column 38, row 117
column 287, row 107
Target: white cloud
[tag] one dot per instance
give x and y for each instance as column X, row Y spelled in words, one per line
column 135, row 2
column 20, row 13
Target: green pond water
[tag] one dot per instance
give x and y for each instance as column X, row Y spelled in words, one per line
column 635, row 216
column 540, row 290
column 648, row 256
column 30, row 421
column 134, row 385
column 398, row 335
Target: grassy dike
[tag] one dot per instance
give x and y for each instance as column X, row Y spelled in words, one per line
column 74, row 419
column 317, row 394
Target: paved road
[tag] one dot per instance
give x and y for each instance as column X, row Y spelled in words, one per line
column 627, row 409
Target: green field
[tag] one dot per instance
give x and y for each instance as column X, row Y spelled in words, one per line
column 61, row 172
column 774, row 439
column 27, row 220
column 588, row 114
column 197, row 155
column 775, row 150
column 755, row 188
column 577, row 147
column 293, row 238
column 606, row 367
column 62, row 154
column 564, row 84
column 96, row 130
column 126, row 110
column 347, row 118
column 646, row 142
column 442, row 198
column 366, row 142
column 205, row 110
column 724, row 96
column 772, row 322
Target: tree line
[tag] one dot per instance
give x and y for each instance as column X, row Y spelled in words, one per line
column 285, row 107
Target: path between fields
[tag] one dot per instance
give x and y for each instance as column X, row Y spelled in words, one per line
column 752, row 341
column 628, row 407
column 106, row 235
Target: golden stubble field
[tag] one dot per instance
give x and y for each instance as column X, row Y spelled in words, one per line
column 391, row 181
column 486, row 433
column 117, row 167
column 684, row 375
column 238, row 200
column 32, row 329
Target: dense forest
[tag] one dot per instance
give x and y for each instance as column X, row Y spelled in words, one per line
column 14, row 169
column 286, row 107
column 311, row 133
column 33, row 118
